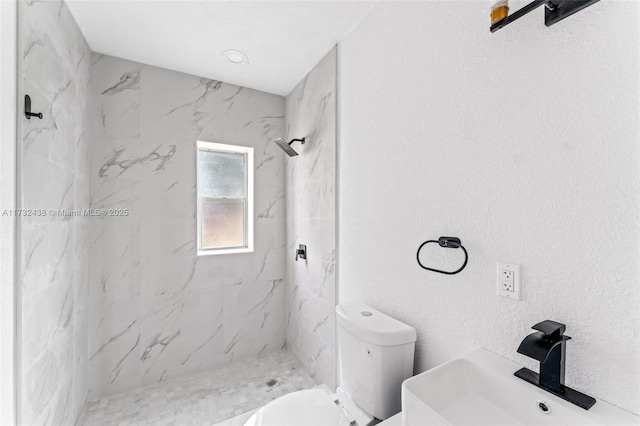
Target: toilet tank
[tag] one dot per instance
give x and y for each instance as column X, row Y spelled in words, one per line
column 375, row 355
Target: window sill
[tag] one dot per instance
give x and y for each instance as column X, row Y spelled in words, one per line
column 225, row 251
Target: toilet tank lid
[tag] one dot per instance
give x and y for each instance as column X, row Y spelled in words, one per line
column 373, row 326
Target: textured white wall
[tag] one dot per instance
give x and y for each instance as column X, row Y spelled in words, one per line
column 524, row 144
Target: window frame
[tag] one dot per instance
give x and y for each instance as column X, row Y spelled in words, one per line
column 248, row 199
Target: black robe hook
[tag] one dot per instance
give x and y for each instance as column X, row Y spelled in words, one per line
column 27, row 109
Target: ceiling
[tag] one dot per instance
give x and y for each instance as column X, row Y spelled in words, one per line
column 283, row 40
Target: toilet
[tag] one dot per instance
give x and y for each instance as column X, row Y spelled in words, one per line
column 375, row 355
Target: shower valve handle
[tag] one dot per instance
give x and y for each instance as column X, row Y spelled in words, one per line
column 301, row 252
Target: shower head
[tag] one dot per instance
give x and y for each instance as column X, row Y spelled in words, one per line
column 286, row 146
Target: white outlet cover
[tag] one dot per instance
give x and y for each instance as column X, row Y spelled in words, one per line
column 516, row 294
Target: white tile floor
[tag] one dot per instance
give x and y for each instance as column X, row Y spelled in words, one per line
column 205, row 398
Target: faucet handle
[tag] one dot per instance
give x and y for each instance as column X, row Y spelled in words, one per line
column 301, row 252
column 551, row 329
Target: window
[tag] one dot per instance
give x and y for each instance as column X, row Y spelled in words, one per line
column 225, row 198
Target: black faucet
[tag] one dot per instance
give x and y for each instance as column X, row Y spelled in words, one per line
column 548, row 346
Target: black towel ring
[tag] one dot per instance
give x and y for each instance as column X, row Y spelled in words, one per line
column 446, row 242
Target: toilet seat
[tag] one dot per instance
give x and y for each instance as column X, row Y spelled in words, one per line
column 312, row 407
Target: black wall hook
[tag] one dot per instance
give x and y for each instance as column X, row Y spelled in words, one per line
column 27, row 109
column 446, row 242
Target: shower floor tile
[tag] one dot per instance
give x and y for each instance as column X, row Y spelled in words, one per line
column 205, row 398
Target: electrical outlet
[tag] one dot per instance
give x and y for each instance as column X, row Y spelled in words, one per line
column 508, row 282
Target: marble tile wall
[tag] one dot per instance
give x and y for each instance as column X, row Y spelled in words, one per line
column 158, row 311
column 55, row 72
column 311, row 208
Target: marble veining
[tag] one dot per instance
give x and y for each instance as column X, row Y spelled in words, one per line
column 310, row 198
column 116, row 303
column 159, row 312
column 55, row 175
column 128, row 81
column 124, row 165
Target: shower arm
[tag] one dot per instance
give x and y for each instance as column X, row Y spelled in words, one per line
column 297, row 140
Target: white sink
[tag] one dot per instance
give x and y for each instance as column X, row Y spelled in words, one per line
column 480, row 389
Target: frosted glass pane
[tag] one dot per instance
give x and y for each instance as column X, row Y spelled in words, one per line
column 222, row 224
column 222, row 174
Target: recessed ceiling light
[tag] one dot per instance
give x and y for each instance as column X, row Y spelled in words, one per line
column 235, row 57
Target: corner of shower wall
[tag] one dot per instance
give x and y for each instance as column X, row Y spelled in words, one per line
column 311, row 220
column 53, row 177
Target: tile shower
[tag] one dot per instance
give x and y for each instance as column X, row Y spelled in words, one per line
column 115, row 304
column 175, row 313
